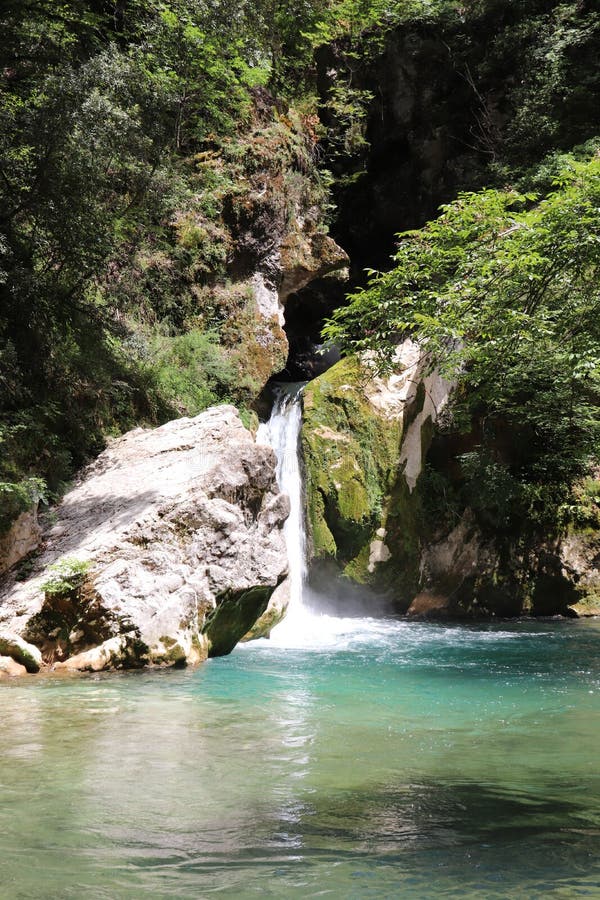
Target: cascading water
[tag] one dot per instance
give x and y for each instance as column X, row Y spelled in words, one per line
column 303, row 627
column 282, row 433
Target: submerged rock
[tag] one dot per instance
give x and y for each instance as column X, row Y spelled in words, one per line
column 169, row 548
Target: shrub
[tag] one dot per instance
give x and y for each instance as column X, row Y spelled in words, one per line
column 65, row 576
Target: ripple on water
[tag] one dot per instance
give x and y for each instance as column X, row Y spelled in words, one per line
column 373, row 758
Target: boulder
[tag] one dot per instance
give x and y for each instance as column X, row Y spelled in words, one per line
column 21, row 539
column 116, row 653
column 175, row 539
column 24, row 653
column 306, row 256
column 273, row 614
column 11, row 668
column 468, row 574
column 429, row 606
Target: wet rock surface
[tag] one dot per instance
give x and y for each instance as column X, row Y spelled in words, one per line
column 27, row 655
column 10, row 668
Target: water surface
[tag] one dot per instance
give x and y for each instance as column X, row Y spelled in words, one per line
column 374, row 759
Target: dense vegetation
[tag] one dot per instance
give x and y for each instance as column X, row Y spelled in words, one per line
column 503, row 291
column 110, row 222
column 133, row 134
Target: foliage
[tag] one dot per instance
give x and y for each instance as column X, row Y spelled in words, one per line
column 144, row 144
column 355, row 20
column 65, row 576
column 584, row 511
column 502, row 292
column 193, row 371
column 110, row 220
column 553, row 95
column 17, row 497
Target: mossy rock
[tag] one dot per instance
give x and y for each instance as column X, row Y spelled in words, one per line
column 361, row 512
column 234, row 616
column 21, row 651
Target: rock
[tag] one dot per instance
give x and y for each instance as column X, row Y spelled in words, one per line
column 307, row 256
column 233, row 617
column 22, row 538
column 429, row 606
column 580, row 557
column 182, row 530
column 24, row 653
column 364, row 441
column 11, row 668
column 116, row 653
column 421, row 105
column 273, row 614
column 370, row 516
column 275, row 246
column 470, row 574
column 448, row 570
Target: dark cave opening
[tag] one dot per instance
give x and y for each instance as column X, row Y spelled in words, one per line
column 305, row 314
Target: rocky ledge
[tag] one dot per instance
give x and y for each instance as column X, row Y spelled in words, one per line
column 166, row 551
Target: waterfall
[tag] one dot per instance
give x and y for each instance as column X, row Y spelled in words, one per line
column 304, row 627
column 282, row 433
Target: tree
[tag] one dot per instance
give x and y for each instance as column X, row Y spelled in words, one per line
column 503, row 293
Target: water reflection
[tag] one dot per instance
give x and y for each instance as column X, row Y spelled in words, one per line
column 412, row 761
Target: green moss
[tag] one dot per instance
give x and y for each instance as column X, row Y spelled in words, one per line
column 585, row 508
column 174, row 654
column 350, row 452
column 322, row 538
column 356, row 491
column 358, row 568
column 233, row 617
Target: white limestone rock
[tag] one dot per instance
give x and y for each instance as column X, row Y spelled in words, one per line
column 173, row 521
column 21, row 539
column 10, row 668
column 21, row 651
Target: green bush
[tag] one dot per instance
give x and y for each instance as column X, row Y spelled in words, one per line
column 502, row 291
column 65, row 576
column 192, row 371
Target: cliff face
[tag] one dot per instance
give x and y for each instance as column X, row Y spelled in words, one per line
column 465, row 102
column 165, row 552
column 365, row 440
column 475, row 100
column 277, row 243
column 380, row 527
